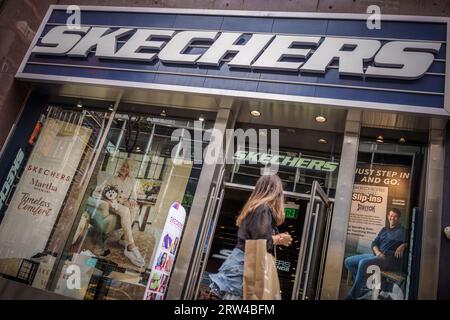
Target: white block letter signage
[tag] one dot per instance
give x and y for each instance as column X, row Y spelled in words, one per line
column 245, row 54
column 350, row 61
column 405, row 60
column 61, row 39
column 103, row 39
column 142, row 39
column 402, row 60
column 281, row 48
column 174, row 50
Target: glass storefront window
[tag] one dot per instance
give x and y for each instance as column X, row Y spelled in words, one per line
column 379, row 253
column 121, row 243
column 39, row 210
column 301, row 161
column 133, row 190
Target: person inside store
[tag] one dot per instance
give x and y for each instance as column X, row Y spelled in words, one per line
column 259, row 219
column 124, row 206
column 388, row 251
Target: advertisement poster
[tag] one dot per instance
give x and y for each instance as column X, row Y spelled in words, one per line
column 166, row 252
column 41, row 191
column 367, row 215
column 377, row 189
column 380, row 214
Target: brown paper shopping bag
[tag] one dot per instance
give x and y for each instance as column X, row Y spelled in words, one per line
column 260, row 273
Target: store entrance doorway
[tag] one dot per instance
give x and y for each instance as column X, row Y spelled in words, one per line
column 300, row 266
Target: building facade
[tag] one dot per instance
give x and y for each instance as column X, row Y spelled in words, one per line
column 119, row 116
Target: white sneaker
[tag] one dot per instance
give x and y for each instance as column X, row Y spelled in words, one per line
column 135, row 256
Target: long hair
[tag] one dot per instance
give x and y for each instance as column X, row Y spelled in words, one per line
column 268, row 190
column 162, row 259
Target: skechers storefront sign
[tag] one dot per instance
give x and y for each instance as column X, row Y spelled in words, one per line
column 395, row 59
column 324, row 59
column 286, row 161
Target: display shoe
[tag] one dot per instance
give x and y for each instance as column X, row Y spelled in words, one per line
column 134, row 256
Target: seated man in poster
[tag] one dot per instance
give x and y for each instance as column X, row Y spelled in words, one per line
column 388, row 250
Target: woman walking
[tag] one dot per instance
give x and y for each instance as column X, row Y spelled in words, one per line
column 259, row 219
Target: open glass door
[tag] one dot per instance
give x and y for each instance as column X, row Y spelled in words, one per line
column 311, row 261
column 214, row 206
column 223, row 230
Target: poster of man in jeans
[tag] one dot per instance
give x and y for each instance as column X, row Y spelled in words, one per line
column 377, row 234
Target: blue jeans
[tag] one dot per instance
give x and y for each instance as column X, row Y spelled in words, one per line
column 227, row 283
column 358, row 265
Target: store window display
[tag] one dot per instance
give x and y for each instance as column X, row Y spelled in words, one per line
column 388, row 253
column 50, row 171
column 118, row 195
column 93, row 196
column 126, row 206
column 379, row 255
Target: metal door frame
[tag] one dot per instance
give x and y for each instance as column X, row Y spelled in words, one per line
column 244, row 187
column 316, row 192
column 212, row 223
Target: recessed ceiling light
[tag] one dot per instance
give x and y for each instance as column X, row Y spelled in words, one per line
column 255, row 113
column 321, row 119
column 79, row 104
column 402, row 140
column 111, row 107
column 201, row 118
column 380, row 139
column 163, row 113
column 322, row 141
